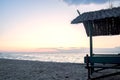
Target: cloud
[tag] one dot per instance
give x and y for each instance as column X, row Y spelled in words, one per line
column 77, row 2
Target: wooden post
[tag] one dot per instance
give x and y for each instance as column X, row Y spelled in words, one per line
column 89, row 28
column 91, row 44
column 90, row 35
column 88, row 67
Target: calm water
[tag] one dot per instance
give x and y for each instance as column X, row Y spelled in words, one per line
column 52, row 57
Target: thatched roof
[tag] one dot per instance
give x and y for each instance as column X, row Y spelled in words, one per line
column 103, row 22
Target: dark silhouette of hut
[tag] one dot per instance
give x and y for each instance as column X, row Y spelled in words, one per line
column 100, row 23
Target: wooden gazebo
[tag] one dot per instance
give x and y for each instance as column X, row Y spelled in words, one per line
column 100, row 23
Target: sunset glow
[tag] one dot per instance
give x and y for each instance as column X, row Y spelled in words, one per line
column 28, row 25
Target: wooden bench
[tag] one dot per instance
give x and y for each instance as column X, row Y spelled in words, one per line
column 102, row 62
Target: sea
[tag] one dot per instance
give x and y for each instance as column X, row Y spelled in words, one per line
column 46, row 57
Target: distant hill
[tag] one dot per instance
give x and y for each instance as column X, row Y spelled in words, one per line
column 80, row 50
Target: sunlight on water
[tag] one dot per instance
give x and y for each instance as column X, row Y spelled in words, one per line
column 49, row 57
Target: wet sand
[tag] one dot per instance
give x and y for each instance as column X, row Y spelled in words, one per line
column 36, row 70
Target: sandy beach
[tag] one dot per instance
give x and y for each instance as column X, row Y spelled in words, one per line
column 36, row 70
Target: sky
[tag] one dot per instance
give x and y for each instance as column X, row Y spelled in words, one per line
column 29, row 25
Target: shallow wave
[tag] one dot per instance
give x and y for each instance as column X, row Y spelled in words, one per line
column 51, row 57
